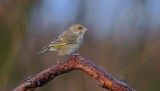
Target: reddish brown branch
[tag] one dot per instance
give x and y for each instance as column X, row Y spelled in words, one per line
column 76, row 63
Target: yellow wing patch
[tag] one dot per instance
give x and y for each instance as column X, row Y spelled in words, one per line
column 59, row 45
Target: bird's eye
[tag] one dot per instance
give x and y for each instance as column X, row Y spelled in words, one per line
column 80, row 27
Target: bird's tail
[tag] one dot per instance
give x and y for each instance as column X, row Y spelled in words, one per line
column 44, row 49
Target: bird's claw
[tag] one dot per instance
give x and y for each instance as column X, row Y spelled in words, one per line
column 75, row 54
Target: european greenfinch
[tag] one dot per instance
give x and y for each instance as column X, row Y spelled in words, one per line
column 67, row 42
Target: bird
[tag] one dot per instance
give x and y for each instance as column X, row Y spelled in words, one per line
column 67, row 42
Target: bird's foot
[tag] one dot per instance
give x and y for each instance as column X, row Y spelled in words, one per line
column 58, row 62
column 75, row 54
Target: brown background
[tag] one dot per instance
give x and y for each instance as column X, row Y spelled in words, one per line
column 123, row 38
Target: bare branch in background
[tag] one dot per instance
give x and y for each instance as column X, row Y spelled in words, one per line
column 76, row 63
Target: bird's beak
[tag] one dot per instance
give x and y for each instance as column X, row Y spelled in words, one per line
column 85, row 29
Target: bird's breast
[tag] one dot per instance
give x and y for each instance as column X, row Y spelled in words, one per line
column 79, row 40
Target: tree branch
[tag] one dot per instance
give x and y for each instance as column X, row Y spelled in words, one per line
column 76, row 63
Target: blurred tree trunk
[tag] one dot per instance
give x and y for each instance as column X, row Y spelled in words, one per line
column 13, row 20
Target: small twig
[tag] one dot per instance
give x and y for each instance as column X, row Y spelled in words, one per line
column 75, row 63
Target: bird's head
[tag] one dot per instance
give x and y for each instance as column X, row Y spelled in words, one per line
column 78, row 29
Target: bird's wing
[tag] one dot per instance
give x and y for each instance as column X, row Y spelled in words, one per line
column 57, row 43
column 68, row 37
column 65, row 38
column 54, row 45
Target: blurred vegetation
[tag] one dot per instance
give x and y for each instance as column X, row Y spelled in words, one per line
column 123, row 38
column 13, row 18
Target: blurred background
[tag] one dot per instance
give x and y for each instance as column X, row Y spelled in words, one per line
column 123, row 38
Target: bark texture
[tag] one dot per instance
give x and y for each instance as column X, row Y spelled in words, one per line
column 76, row 63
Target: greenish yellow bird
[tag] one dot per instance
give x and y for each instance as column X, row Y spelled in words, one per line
column 67, row 42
